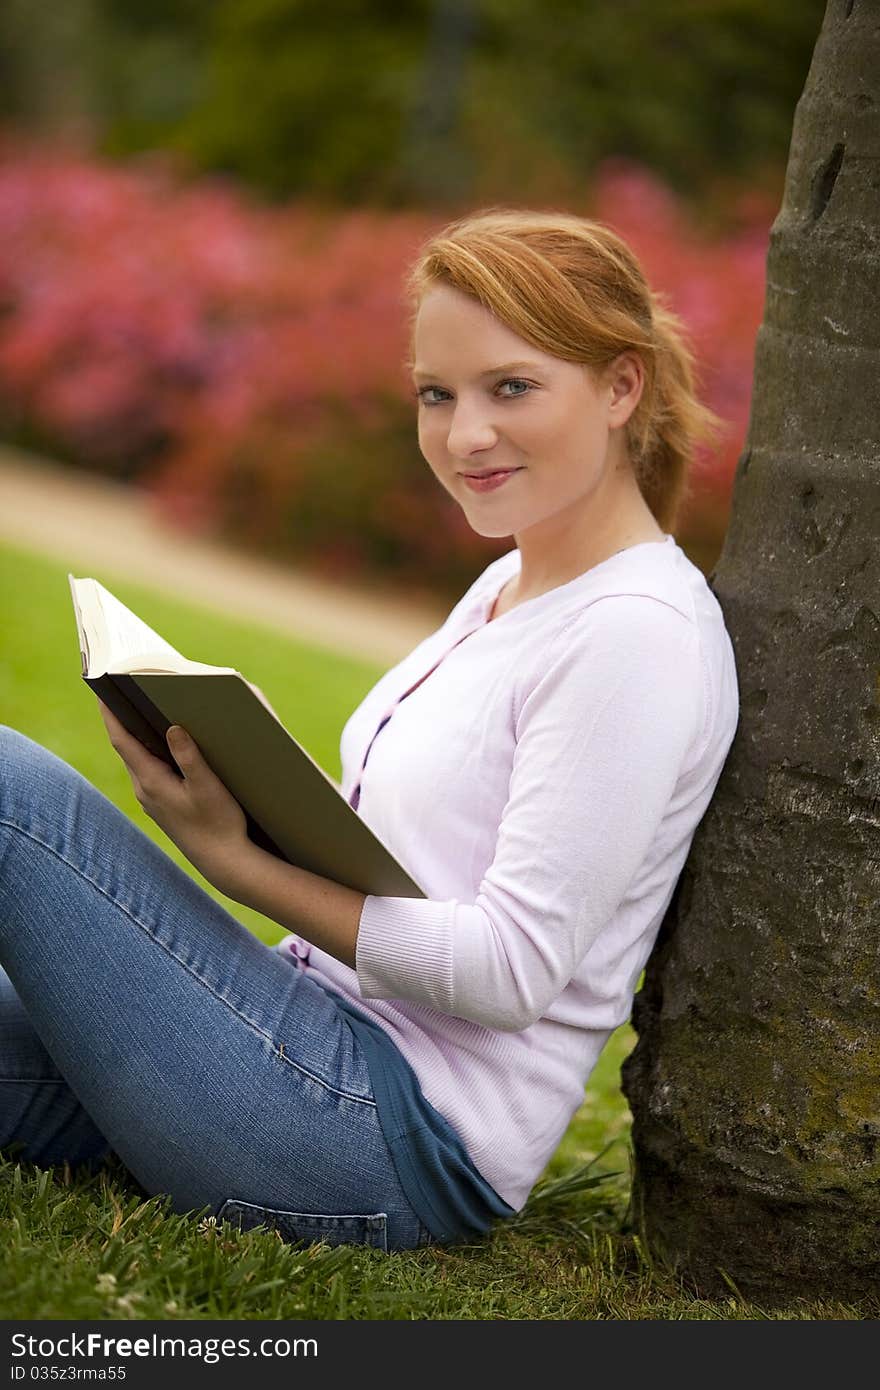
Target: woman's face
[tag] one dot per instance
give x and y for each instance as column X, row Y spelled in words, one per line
column 548, row 419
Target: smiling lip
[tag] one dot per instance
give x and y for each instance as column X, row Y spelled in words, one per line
column 490, row 479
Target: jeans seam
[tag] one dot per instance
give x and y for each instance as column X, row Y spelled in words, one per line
column 32, row 1081
column 346, row 1095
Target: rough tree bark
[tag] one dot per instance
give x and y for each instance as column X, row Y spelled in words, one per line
column 755, row 1081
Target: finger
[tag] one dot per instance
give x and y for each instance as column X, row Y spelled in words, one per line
column 186, row 752
column 115, row 728
column 106, row 714
column 140, row 762
column 119, row 735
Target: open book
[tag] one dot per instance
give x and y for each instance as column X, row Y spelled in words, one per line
column 293, row 809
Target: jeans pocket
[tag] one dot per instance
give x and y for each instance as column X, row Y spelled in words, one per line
column 368, row 1229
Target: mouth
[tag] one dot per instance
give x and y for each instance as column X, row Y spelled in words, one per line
column 489, row 479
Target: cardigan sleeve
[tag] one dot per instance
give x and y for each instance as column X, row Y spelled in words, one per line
column 602, row 737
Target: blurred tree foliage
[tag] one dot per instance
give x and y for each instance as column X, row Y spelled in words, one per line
column 429, row 102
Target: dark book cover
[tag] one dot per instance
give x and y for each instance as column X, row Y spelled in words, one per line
column 293, row 809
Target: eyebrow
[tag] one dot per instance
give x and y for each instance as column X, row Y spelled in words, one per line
column 491, row 371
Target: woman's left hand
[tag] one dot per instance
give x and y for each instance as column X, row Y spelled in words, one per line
column 195, row 811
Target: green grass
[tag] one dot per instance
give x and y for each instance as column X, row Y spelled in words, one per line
column 90, row 1247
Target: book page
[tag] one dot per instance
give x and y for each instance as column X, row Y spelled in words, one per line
column 127, row 644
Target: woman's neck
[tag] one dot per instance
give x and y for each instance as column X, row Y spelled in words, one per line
column 563, row 547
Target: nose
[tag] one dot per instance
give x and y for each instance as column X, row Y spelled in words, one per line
column 470, row 430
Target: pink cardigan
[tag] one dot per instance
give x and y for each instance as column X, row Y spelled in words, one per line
column 541, row 776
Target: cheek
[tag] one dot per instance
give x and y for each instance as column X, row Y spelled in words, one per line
column 547, row 428
column 431, row 436
column 432, row 447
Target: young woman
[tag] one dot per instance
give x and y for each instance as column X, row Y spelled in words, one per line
column 399, row 1071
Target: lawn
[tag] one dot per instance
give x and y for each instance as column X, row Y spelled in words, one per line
column 93, row 1247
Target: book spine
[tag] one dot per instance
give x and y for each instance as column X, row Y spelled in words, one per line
column 133, row 710
column 142, row 719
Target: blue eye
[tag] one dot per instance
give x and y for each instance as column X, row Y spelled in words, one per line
column 422, row 394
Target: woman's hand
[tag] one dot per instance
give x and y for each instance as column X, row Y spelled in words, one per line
column 196, row 811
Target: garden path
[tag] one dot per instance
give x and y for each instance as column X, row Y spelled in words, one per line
column 104, row 528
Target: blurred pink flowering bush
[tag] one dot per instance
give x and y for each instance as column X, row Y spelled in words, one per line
column 246, row 365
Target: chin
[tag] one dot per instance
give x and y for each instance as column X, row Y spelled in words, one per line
column 488, row 530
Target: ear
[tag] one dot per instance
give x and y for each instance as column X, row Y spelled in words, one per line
column 625, row 382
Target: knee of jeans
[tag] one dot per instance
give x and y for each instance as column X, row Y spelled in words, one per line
column 19, row 760
column 18, row 751
column 33, row 779
column 17, row 754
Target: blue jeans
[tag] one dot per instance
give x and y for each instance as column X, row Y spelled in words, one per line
column 139, row 1017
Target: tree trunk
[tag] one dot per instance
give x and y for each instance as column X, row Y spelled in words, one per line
column 46, row 80
column 755, row 1082
column 434, row 160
